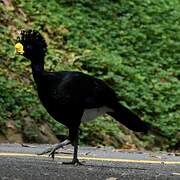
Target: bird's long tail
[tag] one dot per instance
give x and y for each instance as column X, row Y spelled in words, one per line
column 129, row 119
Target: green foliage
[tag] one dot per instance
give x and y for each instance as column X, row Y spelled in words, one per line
column 132, row 45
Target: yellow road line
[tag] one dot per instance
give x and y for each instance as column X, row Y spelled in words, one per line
column 96, row 159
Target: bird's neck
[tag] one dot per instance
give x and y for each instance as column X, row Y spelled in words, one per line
column 37, row 70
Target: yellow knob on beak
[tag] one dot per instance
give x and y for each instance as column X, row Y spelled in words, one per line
column 19, row 48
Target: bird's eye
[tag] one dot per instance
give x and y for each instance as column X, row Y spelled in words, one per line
column 29, row 47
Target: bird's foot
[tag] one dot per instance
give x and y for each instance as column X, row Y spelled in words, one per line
column 75, row 162
column 52, row 150
column 45, row 151
column 51, row 154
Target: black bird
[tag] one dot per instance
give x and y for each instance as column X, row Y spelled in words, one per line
column 72, row 97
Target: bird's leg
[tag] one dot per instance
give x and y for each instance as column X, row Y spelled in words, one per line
column 75, row 160
column 52, row 150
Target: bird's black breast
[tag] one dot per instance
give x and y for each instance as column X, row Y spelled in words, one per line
column 66, row 95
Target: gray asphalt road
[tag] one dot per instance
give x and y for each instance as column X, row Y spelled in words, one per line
column 19, row 163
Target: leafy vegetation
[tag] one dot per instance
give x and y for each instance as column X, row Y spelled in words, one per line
column 132, row 45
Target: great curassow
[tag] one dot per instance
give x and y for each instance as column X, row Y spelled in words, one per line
column 72, row 97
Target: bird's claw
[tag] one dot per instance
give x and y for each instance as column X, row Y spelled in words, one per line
column 51, row 154
column 46, row 151
column 75, row 162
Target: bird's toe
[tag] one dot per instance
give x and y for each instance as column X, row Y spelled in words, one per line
column 75, row 162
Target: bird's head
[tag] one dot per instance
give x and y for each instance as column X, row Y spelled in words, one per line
column 31, row 45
